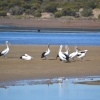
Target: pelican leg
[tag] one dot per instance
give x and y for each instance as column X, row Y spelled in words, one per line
column 57, row 56
column 72, row 59
column 46, row 58
column 82, row 59
column 5, row 56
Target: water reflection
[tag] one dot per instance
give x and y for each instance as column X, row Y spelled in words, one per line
column 51, row 89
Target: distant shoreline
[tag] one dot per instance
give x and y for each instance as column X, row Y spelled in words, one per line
column 49, row 24
column 17, row 28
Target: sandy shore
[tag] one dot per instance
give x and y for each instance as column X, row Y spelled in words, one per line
column 14, row 68
column 60, row 24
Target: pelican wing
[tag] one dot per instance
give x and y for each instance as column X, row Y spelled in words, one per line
column 79, row 54
column 5, row 51
column 43, row 54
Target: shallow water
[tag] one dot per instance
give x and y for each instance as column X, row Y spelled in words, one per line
column 80, row 38
column 66, row 90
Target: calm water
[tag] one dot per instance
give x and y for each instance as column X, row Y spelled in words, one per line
column 54, row 38
column 57, row 91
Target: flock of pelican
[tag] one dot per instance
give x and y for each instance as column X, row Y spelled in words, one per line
column 63, row 56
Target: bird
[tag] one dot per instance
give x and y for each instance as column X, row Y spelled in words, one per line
column 26, row 57
column 81, row 54
column 4, row 52
column 74, row 54
column 63, row 57
column 67, row 50
column 46, row 53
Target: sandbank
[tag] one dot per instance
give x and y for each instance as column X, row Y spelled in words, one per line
column 13, row 68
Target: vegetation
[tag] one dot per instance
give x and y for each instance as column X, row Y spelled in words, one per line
column 36, row 7
column 57, row 14
column 2, row 13
column 87, row 12
column 99, row 16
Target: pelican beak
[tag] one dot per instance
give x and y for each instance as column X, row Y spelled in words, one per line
column 48, row 44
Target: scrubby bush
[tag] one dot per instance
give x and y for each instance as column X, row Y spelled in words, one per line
column 87, row 12
column 91, row 4
column 27, row 11
column 3, row 13
column 99, row 17
column 16, row 10
column 68, row 12
column 50, row 8
column 35, row 6
column 37, row 14
column 26, row 6
column 57, row 14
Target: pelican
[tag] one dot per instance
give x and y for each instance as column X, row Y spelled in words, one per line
column 62, row 56
column 74, row 54
column 4, row 52
column 81, row 54
column 46, row 53
column 26, row 57
column 67, row 50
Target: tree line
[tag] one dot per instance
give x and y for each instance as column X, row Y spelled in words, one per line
column 57, row 7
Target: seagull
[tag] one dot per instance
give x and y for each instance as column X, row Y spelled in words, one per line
column 46, row 53
column 74, row 54
column 26, row 57
column 62, row 56
column 81, row 54
column 4, row 52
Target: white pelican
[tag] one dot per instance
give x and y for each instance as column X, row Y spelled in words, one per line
column 81, row 54
column 67, row 50
column 62, row 56
column 46, row 53
column 26, row 57
column 74, row 54
column 4, row 52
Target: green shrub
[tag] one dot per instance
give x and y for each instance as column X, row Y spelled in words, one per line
column 37, row 14
column 68, row 12
column 57, row 14
column 27, row 11
column 87, row 12
column 16, row 10
column 50, row 8
column 27, row 6
column 99, row 16
column 3, row 13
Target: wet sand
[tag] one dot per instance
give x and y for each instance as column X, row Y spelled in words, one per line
column 58, row 24
column 13, row 68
